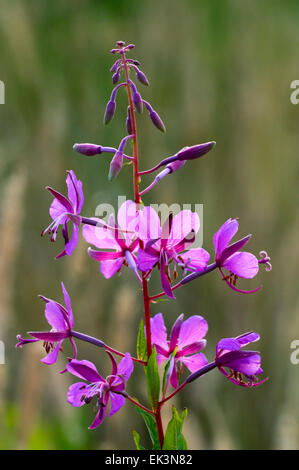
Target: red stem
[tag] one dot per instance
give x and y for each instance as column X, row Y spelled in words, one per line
column 137, row 403
column 159, row 425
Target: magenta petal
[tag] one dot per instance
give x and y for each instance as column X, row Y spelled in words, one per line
column 125, row 367
column 50, row 336
column 146, row 261
column 166, row 286
column 67, row 301
column 242, row 264
column 175, row 331
column 195, row 362
column 72, row 243
column 174, row 376
column 247, row 338
column 192, row 348
column 55, row 316
column 117, row 401
column 100, row 236
column 62, row 199
column 159, row 332
column 224, row 235
column 196, row 259
column 183, row 224
column 227, row 344
column 104, row 255
column 111, row 267
column 192, row 330
column 57, row 209
column 246, row 362
column 75, row 393
column 84, row 370
column 51, row 358
column 128, row 217
column 75, row 191
column 99, row 417
column 149, row 225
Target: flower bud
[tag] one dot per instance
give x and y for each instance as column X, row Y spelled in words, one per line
column 110, row 110
column 88, row 149
column 196, row 151
column 142, row 77
column 137, row 100
column 129, row 122
column 116, row 77
column 157, row 121
column 115, row 165
column 174, row 166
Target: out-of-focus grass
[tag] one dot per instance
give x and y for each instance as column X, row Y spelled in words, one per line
column 218, row 70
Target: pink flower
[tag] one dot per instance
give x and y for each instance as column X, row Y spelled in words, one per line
column 120, row 239
column 186, row 340
column 102, row 389
column 64, row 209
column 62, row 321
column 166, row 244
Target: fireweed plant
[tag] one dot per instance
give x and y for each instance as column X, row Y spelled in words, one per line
column 137, row 239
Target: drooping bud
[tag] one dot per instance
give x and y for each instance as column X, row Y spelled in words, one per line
column 116, row 77
column 141, row 77
column 115, row 165
column 189, row 153
column 115, row 65
column 174, row 166
column 196, row 151
column 88, row 149
column 129, row 121
column 120, row 43
column 130, row 46
column 109, row 112
column 157, row 121
column 117, row 161
column 155, row 118
column 137, row 100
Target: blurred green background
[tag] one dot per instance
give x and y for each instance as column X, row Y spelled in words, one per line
column 219, row 70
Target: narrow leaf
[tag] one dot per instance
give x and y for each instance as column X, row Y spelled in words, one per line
column 141, row 343
column 136, row 438
column 153, row 379
column 174, row 439
column 151, row 427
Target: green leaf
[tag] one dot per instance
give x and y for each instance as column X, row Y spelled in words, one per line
column 153, row 379
column 166, row 370
column 136, row 438
column 141, row 343
column 150, row 423
column 174, row 439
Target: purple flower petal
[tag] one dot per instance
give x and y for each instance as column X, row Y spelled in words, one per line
column 192, row 348
column 242, row 264
column 227, row 344
column 159, row 332
column 245, row 362
column 72, row 243
column 100, row 415
column 224, row 235
column 111, row 267
column 149, row 225
column 57, row 209
column 75, row 192
column 117, row 401
column 195, row 362
column 67, row 301
column 50, row 336
column 62, row 199
column 127, row 218
column 247, row 338
column 84, row 370
column 51, row 358
column 100, row 236
column 196, row 259
column 146, row 261
column 125, row 367
column 55, row 316
column 175, row 331
column 183, row 224
column 166, row 286
column 192, row 330
column 75, row 393
column 174, row 377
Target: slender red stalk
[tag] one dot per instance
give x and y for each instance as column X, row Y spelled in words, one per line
column 159, row 425
column 137, row 403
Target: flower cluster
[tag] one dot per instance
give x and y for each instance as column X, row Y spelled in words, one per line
column 137, row 238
